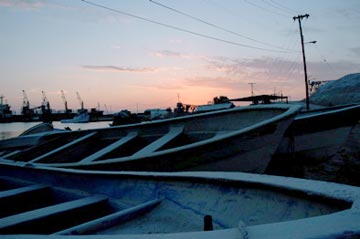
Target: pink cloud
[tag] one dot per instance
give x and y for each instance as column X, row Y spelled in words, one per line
column 121, row 69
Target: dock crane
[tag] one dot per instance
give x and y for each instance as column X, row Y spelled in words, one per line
column 45, row 109
column 81, row 102
column 45, row 102
column 106, row 109
column 65, row 102
column 25, row 105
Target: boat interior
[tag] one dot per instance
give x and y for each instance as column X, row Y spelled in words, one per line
column 137, row 140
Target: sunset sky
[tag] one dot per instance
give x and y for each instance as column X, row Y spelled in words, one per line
column 139, row 54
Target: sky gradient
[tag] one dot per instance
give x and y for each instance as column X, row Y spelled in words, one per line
column 140, row 54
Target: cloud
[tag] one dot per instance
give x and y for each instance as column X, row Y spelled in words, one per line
column 121, row 69
column 130, row 69
column 22, row 4
column 173, row 54
column 167, row 86
column 214, row 82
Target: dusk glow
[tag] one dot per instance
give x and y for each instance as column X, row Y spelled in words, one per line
column 143, row 54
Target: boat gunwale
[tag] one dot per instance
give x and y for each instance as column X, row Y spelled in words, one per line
column 325, row 111
column 329, row 190
column 310, row 188
column 289, row 111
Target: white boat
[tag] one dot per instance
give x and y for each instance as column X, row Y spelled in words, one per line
column 53, row 203
column 320, row 133
column 237, row 139
column 80, row 118
column 213, row 107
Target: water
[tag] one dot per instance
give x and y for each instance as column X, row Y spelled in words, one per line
column 9, row 130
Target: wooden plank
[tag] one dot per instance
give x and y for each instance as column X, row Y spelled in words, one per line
column 79, row 140
column 172, row 134
column 111, row 220
column 11, row 222
column 130, row 136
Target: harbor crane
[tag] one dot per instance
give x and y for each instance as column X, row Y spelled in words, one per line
column 26, row 102
column 45, row 102
column 65, row 102
column 81, row 102
column 25, row 105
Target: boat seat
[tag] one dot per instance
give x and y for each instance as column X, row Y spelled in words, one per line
column 173, row 133
column 11, row 154
column 14, row 201
column 18, row 192
column 79, row 140
column 130, row 136
column 111, row 220
column 34, row 220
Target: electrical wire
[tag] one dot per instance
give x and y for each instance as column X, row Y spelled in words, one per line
column 271, row 4
column 216, row 26
column 265, row 9
column 284, row 7
column 182, row 29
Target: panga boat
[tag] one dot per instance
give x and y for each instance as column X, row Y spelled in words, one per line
column 79, row 204
column 321, row 132
column 238, row 139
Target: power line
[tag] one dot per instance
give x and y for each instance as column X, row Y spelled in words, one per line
column 182, row 29
column 284, row 7
column 265, row 9
column 216, row 26
column 271, row 4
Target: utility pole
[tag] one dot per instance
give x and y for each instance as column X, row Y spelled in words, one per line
column 299, row 18
column 252, row 88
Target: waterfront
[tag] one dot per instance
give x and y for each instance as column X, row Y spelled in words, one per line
column 8, row 130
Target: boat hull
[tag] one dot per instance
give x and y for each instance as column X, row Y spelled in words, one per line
column 320, row 135
column 241, row 205
column 249, row 152
column 238, row 139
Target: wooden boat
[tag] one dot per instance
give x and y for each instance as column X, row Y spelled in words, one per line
column 238, row 139
column 39, row 128
column 67, row 203
column 320, row 133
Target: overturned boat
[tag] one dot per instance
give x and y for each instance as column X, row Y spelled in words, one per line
column 238, row 139
column 38, row 202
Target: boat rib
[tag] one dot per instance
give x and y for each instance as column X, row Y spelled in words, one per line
column 130, row 136
column 77, row 141
column 173, row 133
column 111, row 220
column 25, row 222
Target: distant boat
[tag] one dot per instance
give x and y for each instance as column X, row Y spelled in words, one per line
column 321, row 132
column 80, row 118
column 65, row 203
column 213, row 107
column 237, row 139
